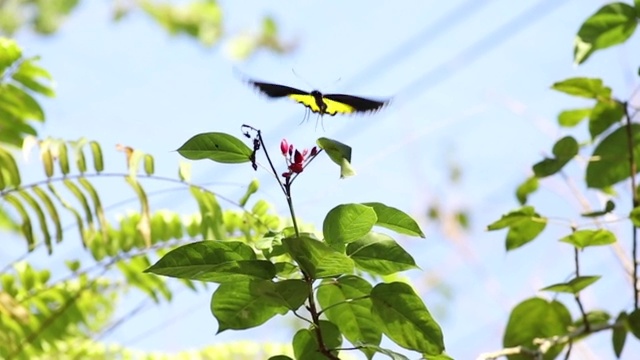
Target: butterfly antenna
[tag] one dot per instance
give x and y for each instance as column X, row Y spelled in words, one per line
column 303, row 79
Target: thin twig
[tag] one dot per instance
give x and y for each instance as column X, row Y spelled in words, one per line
column 577, row 295
column 634, row 195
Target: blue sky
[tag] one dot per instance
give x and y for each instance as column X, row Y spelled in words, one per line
column 470, row 81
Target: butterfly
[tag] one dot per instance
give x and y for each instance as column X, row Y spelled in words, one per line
column 322, row 104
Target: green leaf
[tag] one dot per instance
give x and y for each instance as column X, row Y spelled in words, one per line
column 20, row 99
column 527, row 188
column 635, row 216
column 603, row 115
column 612, row 24
column 574, row 286
column 347, row 223
column 610, row 159
column 564, row 150
column 305, row 341
column 71, row 209
column 394, row 219
column 571, row 118
column 10, row 52
column 524, row 225
column 291, row 293
column 144, row 224
column 609, row 206
column 25, row 227
column 96, row 152
column 536, row 318
column 392, row 354
column 634, row 323
column 51, row 210
column 9, row 169
column 149, row 167
column 380, row 254
column 583, row 238
column 339, row 153
column 316, row 258
column 251, row 189
column 280, row 357
column 219, row 147
column 41, row 218
column 405, row 319
column 212, row 224
column 591, row 88
column 619, row 333
column 244, row 304
column 347, row 305
column 214, row 261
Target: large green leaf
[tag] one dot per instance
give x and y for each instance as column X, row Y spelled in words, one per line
column 524, row 225
column 347, row 223
column 612, row 24
column 348, row 306
column 219, row 147
column 536, row 318
column 215, row 261
column 405, row 319
column 573, row 286
column 584, row 238
column 10, row 52
column 316, row 258
column 339, row 153
column 603, row 115
column 610, row 160
column 394, row 219
column 305, row 341
column 633, row 320
column 380, row 254
column 245, row 304
column 591, row 88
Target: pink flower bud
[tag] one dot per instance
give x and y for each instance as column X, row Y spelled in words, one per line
column 284, row 146
column 290, row 149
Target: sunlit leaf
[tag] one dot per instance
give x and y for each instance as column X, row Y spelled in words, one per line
column 316, row 258
column 347, row 223
column 96, row 152
column 527, row 188
column 591, row 88
column 536, row 318
column 585, row 238
column 394, row 219
column 214, row 261
column 574, row 286
column 380, row 254
column 339, row 153
column 219, row 147
column 348, row 306
column 571, row 118
column 612, row 24
column 524, row 225
column 405, row 319
column 603, row 115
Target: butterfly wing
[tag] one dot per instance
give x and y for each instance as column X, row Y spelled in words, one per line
column 348, row 104
column 279, row 91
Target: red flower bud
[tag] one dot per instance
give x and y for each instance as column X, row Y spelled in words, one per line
column 298, row 158
column 284, row 146
column 286, row 175
column 290, row 149
column 314, row 151
column 296, row 168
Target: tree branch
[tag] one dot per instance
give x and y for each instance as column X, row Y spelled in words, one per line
column 634, row 196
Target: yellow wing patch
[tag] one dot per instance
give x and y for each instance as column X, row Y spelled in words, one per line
column 333, row 107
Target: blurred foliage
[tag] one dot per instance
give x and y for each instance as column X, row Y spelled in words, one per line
column 20, row 79
column 201, row 20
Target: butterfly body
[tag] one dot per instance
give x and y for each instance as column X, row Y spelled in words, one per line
column 322, row 104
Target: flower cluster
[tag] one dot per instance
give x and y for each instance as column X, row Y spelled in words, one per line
column 296, row 160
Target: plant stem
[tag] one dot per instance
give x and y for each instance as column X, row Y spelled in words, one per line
column 587, row 327
column 634, row 195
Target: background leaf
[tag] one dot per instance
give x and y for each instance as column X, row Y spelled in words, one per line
column 216, row 146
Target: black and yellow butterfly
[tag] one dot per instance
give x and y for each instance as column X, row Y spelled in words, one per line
column 322, row 104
